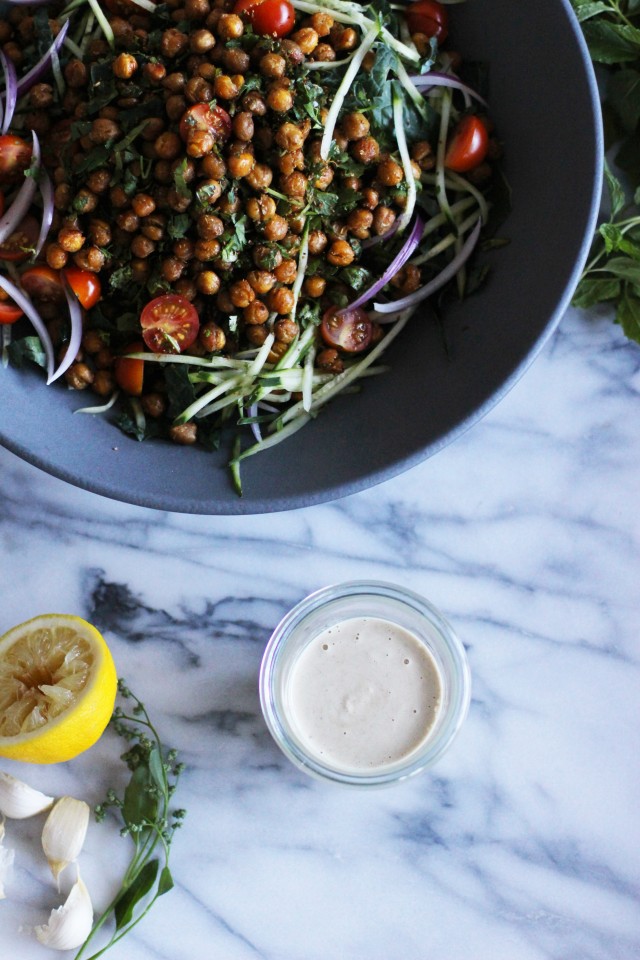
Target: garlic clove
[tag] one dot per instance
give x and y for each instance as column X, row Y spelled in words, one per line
column 69, row 925
column 63, row 834
column 6, row 860
column 18, row 800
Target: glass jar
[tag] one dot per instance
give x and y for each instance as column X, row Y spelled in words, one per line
column 331, row 606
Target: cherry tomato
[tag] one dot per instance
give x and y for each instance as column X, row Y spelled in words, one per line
column 129, row 372
column 273, row 18
column 15, row 157
column 169, row 324
column 42, row 283
column 468, row 145
column 9, row 311
column 345, row 329
column 203, row 116
column 428, row 17
column 19, row 245
column 85, row 285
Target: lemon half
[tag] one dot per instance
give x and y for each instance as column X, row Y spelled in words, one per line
column 57, row 688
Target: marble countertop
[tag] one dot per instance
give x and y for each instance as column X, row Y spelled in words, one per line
column 523, row 842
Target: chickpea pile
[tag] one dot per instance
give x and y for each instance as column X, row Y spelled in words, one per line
column 184, row 161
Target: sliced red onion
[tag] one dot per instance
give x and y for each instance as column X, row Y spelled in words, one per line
column 398, row 261
column 443, row 277
column 23, row 198
column 23, row 301
column 10, row 91
column 428, row 80
column 46, row 192
column 75, row 315
column 371, row 241
column 42, row 66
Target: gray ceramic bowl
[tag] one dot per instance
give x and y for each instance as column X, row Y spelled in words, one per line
column 545, row 103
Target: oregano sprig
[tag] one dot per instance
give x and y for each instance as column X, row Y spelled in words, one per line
column 148, row 818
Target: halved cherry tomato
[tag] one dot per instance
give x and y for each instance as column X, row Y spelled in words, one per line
column 273, row 18
column 85, row 284
column 9, row 311
column 20, row 244
column 128, row 372
column 42, row 283
column 428, row 17
column 203, row 116
column 170, row 324
column 345, row 329
column 15, row 157
column 468, row 145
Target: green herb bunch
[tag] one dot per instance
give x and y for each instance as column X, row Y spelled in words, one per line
column 612, row 274
column 148, row 819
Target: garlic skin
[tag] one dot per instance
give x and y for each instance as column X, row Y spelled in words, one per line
column 69, row 925
column 6, row 860
column 64, row 833
column 18, row 800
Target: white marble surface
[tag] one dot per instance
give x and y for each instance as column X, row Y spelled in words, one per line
column 523, row 842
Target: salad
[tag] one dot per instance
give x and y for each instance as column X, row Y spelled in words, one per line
column 217, row 214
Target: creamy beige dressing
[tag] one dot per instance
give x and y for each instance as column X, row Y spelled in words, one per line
column 364, row 694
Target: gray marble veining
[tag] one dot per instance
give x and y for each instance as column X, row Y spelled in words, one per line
column 522, row 843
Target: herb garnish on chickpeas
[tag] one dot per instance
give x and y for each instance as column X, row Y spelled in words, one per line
column 219, row 213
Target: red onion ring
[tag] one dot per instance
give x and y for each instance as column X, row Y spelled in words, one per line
column 23, row 198
column 428, row 80
column 10, row 91
column 398, row 261
column 25, row 83
column 23, row 301
column 75, row 315
column 46, row 192
column 439, row 281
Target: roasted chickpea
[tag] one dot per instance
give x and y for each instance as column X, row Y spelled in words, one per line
column 226, row 87
column 79, row 376
column 124, row 66
column 286, row 272
column 168, row 146
column 261, row 208
column 241, row 165
column 317, row 241
column 103, row 383
column 279, row 100
column 280, row 300
column 272, row 65
column 276, row 228
column 389, row 173
column 286, row 330
column 71, row 239
column 365, row 150
column 255, row 313
column 341, row 253
column 306, row 38
column 212, row 337
column 56, row 257
column 383, row 219
column 324, row 53
column 330, row 361
column 314, row 286
column 208, row 283
column 201, row 41
column 355, row 126
column 322, row 23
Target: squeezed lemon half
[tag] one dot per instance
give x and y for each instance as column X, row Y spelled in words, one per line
column 57, row 688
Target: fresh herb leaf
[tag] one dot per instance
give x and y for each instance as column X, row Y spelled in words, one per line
column 27, row 350
column 148, row 818
column 612, row 275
